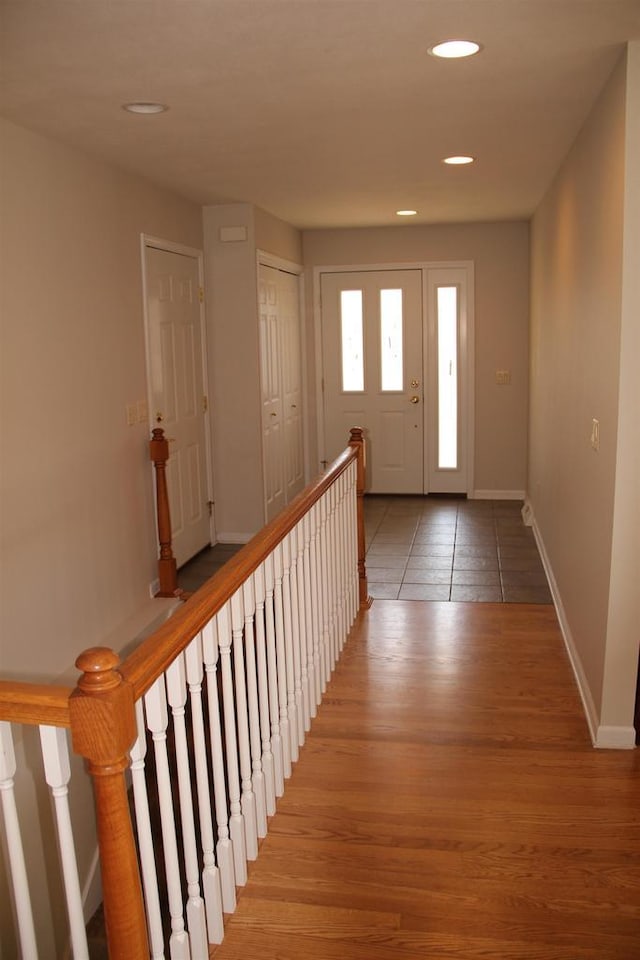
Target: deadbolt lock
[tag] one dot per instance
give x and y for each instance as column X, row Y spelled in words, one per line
column 414, row 384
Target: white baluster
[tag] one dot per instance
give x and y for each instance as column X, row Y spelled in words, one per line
column 145, row 839
column 57, row 772
column 263, row 695
column 273, row 678
column 287, row 592
column 299, row 636
column 236, row 821
column 340, row 525
column 324, row 583
column 331, row 525
column 248, row 800
column 18, row 870
column 257, row 774
column 340, row 563
column 282, row 664
column 177, row 697
column 224, row 846
column 155, row 702
column 210, row 873
column 316, row 600
column 355, row 594
column 305, row 681
column 349, row 549
column 308, row 615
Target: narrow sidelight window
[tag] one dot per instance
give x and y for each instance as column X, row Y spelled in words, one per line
column 352, row 341
column 447, row 305
column 391, row 336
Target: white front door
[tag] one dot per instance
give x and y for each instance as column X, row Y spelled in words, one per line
column 372, row 364
column 176, row 391
column 403, row 370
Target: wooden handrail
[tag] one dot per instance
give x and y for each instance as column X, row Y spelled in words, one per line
column 142, row 668
column 100, row 711
column 35, row 703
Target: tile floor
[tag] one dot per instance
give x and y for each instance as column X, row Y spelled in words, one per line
column 198, row 570
column 432, row 548
column 436, row 548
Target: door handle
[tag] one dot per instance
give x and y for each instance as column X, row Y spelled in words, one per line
column 414, row 399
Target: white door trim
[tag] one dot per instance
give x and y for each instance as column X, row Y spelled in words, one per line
column 424, row 266
column 156, row 243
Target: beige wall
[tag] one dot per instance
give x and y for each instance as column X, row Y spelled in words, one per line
column 277, row 237
column 234, row 359
column 623, row 633
column 577, row 267
column 78, row 529
column 500, row 252
column 77, row 518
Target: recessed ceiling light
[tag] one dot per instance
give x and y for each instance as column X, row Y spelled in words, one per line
column 406, row 213
column 141, row 107
column 454, row 49
column 458, row 161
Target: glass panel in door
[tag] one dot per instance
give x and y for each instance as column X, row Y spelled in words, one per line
column 372, row 372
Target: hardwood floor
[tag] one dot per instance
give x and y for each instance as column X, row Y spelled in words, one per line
column 448, row 805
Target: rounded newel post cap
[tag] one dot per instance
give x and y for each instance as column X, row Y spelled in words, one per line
column 356, row 434
column 98, row 665
column 157, row 433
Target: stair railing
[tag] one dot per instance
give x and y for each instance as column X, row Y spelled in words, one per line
column 203, row 721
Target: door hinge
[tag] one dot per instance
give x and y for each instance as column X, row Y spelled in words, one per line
column 201, row 294
column 205, row 403
column 210, row 506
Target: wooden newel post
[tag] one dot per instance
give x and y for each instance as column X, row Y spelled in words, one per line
column 167, row 573
column 103, row 729
column 356, row 439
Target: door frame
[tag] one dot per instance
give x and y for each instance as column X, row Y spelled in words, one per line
column 169, row 246
column 468, row 369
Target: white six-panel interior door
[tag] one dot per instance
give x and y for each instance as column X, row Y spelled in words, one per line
column 177, row 396
column 280, row 386
column 396, row 360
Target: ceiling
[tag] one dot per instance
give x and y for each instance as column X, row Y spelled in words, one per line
column 326, row 113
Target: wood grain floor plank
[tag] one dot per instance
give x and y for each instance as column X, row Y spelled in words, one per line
column 448, row 805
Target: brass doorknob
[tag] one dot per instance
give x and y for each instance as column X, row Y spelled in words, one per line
column 414, row 399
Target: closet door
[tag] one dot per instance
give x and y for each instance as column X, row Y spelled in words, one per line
column 281, row 393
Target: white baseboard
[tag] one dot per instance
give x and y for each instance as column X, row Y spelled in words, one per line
column 497, row 495
column 223, row 536
column 584, row 690
column 615, row 738
column 603, row 737
column 154, row 588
